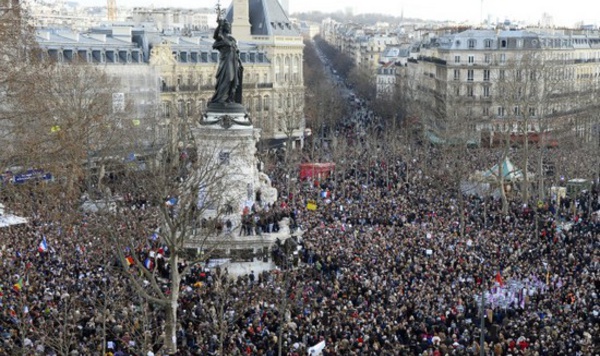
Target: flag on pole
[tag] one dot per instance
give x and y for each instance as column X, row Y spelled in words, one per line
column 499, row 279
column 17, row 287
column 43, row 246
column 148, row 263
column 130, row 260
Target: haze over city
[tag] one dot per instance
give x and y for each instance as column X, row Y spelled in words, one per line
column 460, row 10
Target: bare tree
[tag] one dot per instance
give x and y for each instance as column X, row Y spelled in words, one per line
column 363, row 82
column 64, row 120
column 178, row 199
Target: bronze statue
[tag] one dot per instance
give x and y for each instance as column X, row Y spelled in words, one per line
column 230, row 71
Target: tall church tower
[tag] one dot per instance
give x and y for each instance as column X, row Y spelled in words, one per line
column 240, row 26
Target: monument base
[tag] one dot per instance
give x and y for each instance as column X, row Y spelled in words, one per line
column 240, row 253
column 227, row 134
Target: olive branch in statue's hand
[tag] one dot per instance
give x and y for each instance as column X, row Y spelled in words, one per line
column 220, row 12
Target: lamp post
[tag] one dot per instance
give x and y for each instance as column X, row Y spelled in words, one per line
column 482, row 307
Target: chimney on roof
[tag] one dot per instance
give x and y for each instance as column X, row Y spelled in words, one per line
column 240, row 27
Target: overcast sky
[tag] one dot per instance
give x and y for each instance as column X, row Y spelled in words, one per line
column 564, row 12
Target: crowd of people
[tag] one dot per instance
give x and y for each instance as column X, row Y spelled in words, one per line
column 389, row 264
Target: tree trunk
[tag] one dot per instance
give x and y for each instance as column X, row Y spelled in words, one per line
column 461, row 209
column 171, row 308
column 525, row 170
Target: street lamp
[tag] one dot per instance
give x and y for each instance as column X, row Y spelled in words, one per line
column 482, row 320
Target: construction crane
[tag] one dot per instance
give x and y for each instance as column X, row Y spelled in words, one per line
column 112, row 9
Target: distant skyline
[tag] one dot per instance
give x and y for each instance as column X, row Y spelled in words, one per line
column 531, row 11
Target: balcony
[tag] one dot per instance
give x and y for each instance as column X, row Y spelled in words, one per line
column 434, row 60
column 257, row 86
column 190, row 87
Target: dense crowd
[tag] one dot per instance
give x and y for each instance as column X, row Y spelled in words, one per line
column 390, row 264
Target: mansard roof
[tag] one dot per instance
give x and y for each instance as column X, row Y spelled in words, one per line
column 267, row 18
column 141, row 40
column 67, row 37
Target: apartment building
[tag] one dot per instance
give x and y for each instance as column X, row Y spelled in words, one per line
column 184, row 66
column 365, row 45
column 497, row 81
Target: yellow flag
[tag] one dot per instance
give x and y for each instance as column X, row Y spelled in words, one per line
column 311, row 205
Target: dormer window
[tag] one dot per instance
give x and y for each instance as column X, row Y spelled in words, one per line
column 471, row 43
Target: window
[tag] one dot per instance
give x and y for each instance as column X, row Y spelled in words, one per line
column 486, row 75
column 519, row 93
column 519, row 75
column 517, row 111
column 471, row 43
column 224, row 158
column 519, row 43
column 456, row 59
column 502, row 74
column 487, row 43
column 501, row 111
column 487, row 58
column 503, row 43
column 257, row 104
column 471, row 59
column 457, row 74
column 532, row 112
column 266, row 103
column 166, row 109
column 486, row 111
column 502, row 58
column 486, row 91
column 278, row 69
column 180, row 108
column 470, row 91
column 470, row 75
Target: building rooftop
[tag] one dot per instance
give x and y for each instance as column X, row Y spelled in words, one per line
column 267, row 18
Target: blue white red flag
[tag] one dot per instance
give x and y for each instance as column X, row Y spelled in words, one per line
column 43, row 246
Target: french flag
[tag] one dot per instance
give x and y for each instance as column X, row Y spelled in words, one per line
column 43, row 247
column 148, row 264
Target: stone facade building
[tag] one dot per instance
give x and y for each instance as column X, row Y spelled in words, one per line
column 184, row 65
column 498, row 81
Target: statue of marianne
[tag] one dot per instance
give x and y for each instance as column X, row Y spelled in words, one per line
column 230, row 71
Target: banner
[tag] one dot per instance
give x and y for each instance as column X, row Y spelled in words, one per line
column 316, row 349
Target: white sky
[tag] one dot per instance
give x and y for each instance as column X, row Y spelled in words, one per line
column 564, row 12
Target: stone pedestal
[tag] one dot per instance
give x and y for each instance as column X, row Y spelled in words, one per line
column 226, row 135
